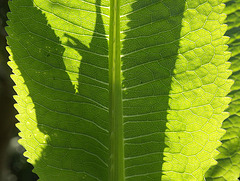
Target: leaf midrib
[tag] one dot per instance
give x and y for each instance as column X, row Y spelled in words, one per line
column 115, row 108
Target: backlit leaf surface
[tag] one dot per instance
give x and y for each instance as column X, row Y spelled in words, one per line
column 120, row 90
column 228, row 167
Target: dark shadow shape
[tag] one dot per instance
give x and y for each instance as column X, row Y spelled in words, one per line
column 76, row 148
column 54, row 95
column 150, row 51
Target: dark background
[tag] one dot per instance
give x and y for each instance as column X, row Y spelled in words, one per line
column 13, row 165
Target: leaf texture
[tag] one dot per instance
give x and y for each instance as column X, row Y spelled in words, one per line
column 60, row 66
column 149, row 52
column 120, row 90
column 228, row 167
column 198, row 89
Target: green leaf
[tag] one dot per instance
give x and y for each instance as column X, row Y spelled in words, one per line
column 228, row 167
column 61, row 73
column 120, row 90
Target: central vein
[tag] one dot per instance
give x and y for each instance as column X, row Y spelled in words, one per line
column 116, row 118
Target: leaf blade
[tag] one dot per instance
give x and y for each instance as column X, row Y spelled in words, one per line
column 52, row 56
column 149, row 51
column 198, row 95
column 228, row 159
column 62, row 75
